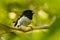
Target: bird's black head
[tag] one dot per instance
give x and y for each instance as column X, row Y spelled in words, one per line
column 28, row 13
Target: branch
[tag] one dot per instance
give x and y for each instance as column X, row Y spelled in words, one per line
column 26, row 29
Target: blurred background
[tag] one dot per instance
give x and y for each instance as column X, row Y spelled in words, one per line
column 46, row 13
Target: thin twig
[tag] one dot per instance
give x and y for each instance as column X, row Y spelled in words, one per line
column 23, row 29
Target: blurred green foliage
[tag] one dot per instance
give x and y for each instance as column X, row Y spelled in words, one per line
column 50, row 7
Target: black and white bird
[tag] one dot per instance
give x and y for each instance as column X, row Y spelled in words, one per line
column 25, row 19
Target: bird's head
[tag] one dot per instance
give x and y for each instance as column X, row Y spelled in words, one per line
column 28, row 12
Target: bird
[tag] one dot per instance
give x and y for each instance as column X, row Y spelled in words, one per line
column 25, row 19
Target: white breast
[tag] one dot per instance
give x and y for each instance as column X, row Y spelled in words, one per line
column 24, row 21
